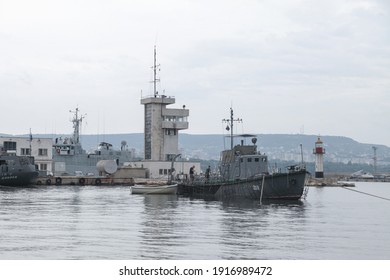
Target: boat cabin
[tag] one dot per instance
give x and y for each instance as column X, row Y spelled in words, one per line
column 243, row 161
column 67, row 149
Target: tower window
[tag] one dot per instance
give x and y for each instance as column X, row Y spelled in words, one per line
column 170, row 132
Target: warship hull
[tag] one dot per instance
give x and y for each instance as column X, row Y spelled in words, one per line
column 288, row 186
column 17, row 171
column 18, row 179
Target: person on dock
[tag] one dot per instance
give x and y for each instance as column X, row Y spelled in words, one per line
column 192, row 174
column 207, row 174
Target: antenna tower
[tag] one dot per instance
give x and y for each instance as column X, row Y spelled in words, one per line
column 76, row 125
column 230, row 126
column 155, row 80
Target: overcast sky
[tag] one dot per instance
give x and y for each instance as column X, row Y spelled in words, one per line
column 286, row 66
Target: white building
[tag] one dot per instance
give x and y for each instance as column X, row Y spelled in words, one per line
column 161, row 129
column 161, row 134
column 161, row 137
column 39, row 148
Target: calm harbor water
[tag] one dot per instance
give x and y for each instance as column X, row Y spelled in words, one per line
column 93, row 223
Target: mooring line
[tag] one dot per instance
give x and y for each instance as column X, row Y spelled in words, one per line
column 381, row 197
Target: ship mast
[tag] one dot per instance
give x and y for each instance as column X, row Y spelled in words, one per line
column 76, row 125
column 230, row 123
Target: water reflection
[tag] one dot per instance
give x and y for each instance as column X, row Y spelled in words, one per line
column 180, row 228
column 253, row 204
column 250, row 230
column 159, row 226
column 90, row 222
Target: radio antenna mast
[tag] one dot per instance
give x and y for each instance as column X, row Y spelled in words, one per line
column 229, row 126
column 155, row 66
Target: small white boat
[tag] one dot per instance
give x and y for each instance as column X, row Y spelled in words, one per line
column 166, row 189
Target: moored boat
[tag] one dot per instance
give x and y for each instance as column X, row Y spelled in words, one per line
column 244, row 173
column 289, row 185
column 17, row 170
column 70, row 158
column 154, row 189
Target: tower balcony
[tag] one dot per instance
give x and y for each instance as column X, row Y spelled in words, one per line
column 169, row 112
column 175, row 125
column 158, row 99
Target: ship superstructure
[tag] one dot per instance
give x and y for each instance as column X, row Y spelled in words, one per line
column 70, row 158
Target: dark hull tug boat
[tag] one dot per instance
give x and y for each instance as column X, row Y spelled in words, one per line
column 244, row 174
column 17, row 170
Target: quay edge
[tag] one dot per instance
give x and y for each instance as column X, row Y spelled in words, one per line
column 84, row 180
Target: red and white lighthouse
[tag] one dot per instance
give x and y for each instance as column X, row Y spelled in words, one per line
column 319, row 152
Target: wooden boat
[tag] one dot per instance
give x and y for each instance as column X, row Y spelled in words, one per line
column 155, row 189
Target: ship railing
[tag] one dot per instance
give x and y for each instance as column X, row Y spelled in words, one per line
column 157, row 96
column 201, row 180
column 295, row 168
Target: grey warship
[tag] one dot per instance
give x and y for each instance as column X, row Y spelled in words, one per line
column 70, row 158
column 17, row 170
column 244, row 173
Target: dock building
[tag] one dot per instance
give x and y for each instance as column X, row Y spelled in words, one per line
column 39, row 148
column 161, row 127
column 161, row 135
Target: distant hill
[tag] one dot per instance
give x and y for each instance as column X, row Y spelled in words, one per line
column 285, row 147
